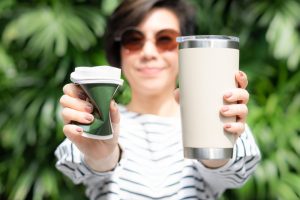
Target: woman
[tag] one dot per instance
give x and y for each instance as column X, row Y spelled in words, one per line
column 145, row 160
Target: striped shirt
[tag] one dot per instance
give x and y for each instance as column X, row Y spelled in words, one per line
column 152, row 165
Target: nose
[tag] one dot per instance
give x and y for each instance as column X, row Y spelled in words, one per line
column 149, row 50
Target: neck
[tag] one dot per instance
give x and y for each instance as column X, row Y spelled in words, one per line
column 162, row 105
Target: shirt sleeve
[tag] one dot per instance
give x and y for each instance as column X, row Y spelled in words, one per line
column 236, row 172
column 71, row 163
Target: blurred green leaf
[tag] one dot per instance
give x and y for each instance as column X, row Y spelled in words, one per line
column 7, row 66
column 53, row 29
column 293, row 181
column 109, row 5
column 23, row 184
column 286, row 192
column 282, row 33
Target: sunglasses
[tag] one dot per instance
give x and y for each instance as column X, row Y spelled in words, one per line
column 133, row 39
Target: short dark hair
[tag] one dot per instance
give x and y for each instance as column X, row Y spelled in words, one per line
column 132, row 12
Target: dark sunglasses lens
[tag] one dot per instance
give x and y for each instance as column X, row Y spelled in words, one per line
column 166, row 40
column 132, row 40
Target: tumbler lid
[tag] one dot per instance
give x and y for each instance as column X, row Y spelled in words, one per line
column 98, row 74
column 208, row 41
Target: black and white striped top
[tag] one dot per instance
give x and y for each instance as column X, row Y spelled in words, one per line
column 152, row 164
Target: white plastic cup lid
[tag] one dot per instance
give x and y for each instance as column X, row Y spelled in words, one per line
column 97, row 74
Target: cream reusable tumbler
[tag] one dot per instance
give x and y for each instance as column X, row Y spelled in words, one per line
column 207, row 67
column 100, row 84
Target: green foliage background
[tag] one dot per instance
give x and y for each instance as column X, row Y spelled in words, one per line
column 43, row 40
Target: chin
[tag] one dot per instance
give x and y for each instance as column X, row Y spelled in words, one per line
column 154, row 88
column 155, row 85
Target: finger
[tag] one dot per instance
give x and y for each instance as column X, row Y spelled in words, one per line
column 115, row 117
column 74, row 91
column 73, row 132
column 115, row 121
column 69, row 115
column 236, row 128
column 176, row 95
column 114, row 112
column 237, row 95
column 76, row 104
column 241, row 79
column 239, row 110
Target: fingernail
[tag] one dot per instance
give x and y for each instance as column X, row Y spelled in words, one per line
column 228, row 94
column 241, row 74
column 227, row 126
column 89, row 108
column 82, row 96
column 89, row 117
column 79, row 129
column 115, row 105
column 176, row 91
column 225, row 108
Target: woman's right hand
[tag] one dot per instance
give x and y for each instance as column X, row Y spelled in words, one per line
column 100, row 155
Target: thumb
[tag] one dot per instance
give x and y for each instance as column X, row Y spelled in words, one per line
column 73, row 133
column 176, row 95
column 115, row 118
column 114, row 112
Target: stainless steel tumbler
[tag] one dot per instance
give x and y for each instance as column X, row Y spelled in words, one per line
column 207, row 67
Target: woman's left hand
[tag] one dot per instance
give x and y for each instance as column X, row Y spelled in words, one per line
column 237, row 99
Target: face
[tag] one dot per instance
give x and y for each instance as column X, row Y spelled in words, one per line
column 151, row 70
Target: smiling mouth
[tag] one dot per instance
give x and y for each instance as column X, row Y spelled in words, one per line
column 150, row 70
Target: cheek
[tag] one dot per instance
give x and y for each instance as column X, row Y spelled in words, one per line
column 127, row 57
column 172, row 59
column 123, row 54
column 126, row 63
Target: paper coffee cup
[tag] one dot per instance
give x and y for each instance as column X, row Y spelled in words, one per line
column 100, row 83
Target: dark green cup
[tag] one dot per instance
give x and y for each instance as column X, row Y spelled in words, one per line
column 100, row 84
